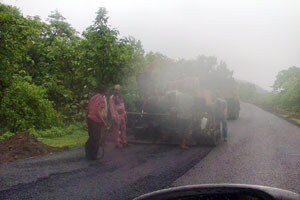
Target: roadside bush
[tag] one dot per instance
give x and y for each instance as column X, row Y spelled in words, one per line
column 5, row 135
column 25, row 105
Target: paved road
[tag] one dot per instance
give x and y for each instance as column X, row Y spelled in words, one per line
column 122, row 174
column 262, row 149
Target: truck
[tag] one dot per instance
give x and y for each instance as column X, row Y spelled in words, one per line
column 229, row 91
column 159, row 116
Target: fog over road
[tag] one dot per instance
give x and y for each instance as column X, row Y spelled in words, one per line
column 262, row 149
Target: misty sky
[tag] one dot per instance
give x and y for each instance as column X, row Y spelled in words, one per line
column 256, row 38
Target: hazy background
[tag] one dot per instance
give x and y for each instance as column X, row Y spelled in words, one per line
column 256, row 38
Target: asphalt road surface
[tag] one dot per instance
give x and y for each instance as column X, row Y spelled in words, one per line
column 121, row 174
column 262, row 149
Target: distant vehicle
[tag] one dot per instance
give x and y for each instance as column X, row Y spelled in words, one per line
column 221, row 192
column 229, row 91
column 158, row 119
column 233, row 108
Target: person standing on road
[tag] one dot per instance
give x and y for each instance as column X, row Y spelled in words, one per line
column 221, row 112
column 96, row 121
column 118, row 113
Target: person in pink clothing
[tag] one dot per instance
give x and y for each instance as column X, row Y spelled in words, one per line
column 118, row 114
column 96, row 121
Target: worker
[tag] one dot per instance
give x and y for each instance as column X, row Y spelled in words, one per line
column 118, row 114
column 221, row 114
column 96, row 121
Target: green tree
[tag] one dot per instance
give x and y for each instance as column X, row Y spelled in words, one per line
column 25, row 105
column 59, row 26
column 16, row 34
column 49, row 64
column 286, row 89
column 109, row 59
column 55, row 65
column 284, row 78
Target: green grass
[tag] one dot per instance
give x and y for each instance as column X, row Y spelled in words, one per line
column 296, row 120
column 290, row 118
column 285, row 116
column 65, row 136
column 77, row 139
column 71, row 135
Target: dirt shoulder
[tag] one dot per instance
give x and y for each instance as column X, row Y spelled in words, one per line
column 23, row 145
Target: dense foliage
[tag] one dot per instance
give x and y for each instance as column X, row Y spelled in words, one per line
column 48, row 70
column 286, row 89
column 285, row 96
column 25, row 106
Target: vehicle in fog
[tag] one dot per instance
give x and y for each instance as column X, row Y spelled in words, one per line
column 184, row 110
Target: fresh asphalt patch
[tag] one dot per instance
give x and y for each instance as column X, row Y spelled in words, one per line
column 121, row 174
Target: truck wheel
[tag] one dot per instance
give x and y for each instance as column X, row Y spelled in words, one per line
column 235, row 115
column 214, row 138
